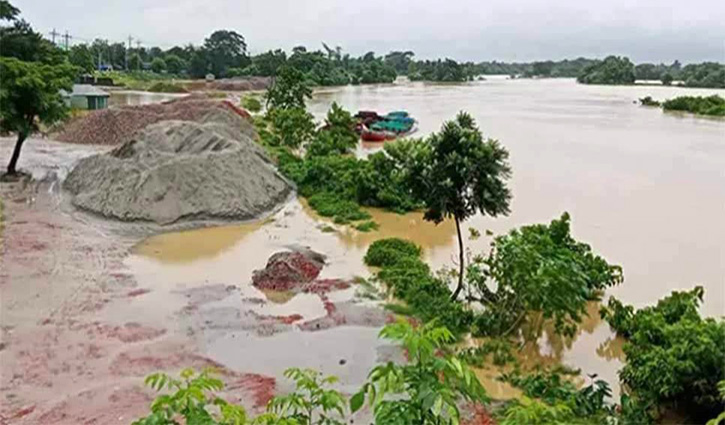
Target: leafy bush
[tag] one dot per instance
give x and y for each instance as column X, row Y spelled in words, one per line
column 387, row 252
column 190, row 401
column 675, row 359
column 427, row 390
column 538, row 268
column 337, row 136
column 648, row 101
column 535, row 412
column 552, row 387
column 291, row 127
column 410, row 280
column 711, row 105
column 251, row 104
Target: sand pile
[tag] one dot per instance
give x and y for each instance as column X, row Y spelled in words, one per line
column 117, row 126
column 177, row 170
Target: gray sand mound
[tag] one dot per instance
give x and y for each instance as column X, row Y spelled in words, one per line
column 176, row 170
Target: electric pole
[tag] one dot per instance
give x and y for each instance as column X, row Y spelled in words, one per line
column 130, row 39
column 67, row 37
column 53, row 34
column 138, row 53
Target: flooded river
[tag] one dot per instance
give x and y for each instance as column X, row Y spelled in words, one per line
column 645, row 188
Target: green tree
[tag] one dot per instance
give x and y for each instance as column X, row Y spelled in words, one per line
column 291, row 127
column 158, row 65
column 425, row 391
column 199, row 63
column 29, row 96
column 174, row 64
column 8, row 12
column 80, row 55
column 461, row 175
column 667, row 79
column 538, row 268
column 337, row 136
column 400, row 61
column 612, row 70
column 20, row 41
column 134, row 61
column 225, row 49
column 288, row 90
column 269, row 62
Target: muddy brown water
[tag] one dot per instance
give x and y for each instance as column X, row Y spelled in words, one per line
column 645, row 188
column 132, row 98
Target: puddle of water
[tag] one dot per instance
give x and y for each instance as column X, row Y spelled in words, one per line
column 348, row 353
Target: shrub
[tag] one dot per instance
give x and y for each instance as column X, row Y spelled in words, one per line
column 251, row 104
column 387, row 252
column 648, row 101
column 675, row 358
column 711, row 105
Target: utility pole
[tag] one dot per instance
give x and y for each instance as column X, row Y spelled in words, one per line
column 53, row 34
column 67, row 37
column 130, row 39
column 138, row 52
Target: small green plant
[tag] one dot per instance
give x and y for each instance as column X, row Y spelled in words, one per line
column 367, row 226
column 535, row 412
column 190, row 400
column 312, row 403
column 426, row 390
column 251, row 104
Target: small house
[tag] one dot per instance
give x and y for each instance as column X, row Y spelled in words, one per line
column 86, row 96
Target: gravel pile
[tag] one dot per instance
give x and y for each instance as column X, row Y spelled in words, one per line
column 117, row 126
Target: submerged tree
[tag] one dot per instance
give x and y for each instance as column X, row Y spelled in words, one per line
column 30, row 95
column 462, row 174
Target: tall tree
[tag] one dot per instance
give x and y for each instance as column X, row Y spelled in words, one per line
column 30, row 95
column 80, row 55
column 226, row 49
column 462, row 174
column 8, row 12
column 174, row 64
column 289, row 90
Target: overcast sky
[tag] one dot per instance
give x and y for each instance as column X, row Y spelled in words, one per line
column 644, row 30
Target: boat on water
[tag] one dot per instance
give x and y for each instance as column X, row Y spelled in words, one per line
column 379, row 128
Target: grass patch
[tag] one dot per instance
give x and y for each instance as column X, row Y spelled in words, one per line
column 367, row 226
column 648, row 101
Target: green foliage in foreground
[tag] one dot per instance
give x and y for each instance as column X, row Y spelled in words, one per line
column 427, row 390
column 537, row 268
column 675, row 358
column 611, row 70
column 710, row 105
column 411, row 281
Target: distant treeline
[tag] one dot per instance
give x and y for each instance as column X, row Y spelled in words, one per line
column 224, row 54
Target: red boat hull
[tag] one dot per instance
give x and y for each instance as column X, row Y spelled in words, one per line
column 373, row 136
